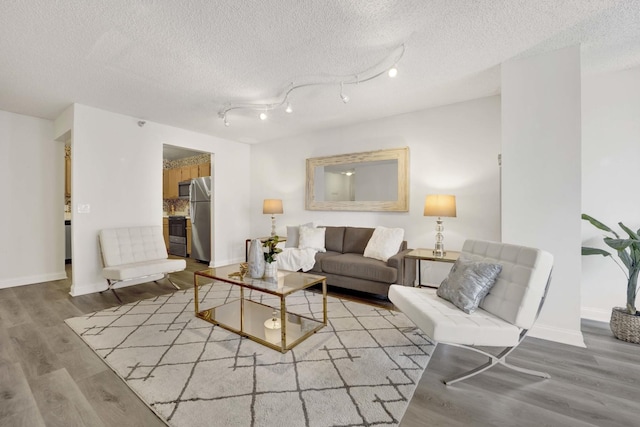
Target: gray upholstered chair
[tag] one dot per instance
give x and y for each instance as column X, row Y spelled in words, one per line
column 504, row 316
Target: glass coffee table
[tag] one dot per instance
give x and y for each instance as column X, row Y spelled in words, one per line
column 268, row 323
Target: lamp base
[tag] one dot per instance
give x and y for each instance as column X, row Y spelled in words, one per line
column 439, row 251
column 273, row 225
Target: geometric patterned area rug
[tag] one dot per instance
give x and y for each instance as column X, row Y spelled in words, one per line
column 360, row 370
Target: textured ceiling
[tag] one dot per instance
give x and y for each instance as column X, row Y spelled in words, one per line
column 180, row 63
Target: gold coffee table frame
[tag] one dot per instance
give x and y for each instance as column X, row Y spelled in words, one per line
column 246, row 317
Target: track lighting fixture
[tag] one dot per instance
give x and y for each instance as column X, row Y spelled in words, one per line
column 371, row 73
column 345, row 98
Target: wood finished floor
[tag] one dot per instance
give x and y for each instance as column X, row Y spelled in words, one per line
column 49, row 377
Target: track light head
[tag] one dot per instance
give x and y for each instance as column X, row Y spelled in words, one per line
column 225, row 121
column 288, row 109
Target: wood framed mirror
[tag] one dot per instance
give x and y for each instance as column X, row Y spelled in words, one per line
column 368, row 181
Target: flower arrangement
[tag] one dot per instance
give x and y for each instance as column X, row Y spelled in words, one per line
column 271, row 249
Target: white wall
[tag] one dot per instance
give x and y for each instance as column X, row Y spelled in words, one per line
column 32, row 213
column 117, row 170
column 541, row 176
column 610, row 178
column 453, row 149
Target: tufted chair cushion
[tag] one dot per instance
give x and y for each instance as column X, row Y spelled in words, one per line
column 516, row 295
column 132, row 245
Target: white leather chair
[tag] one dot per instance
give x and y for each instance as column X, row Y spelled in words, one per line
column 503, row 318
column 137, row 255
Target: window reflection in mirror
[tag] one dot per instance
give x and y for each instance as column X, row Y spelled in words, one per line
column 369, row 181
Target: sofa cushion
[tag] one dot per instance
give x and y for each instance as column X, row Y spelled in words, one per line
column 355, row 265
column 334, row 238
column 320, row 257
column 356, row 239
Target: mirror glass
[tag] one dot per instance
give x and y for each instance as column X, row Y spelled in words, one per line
column 370, row 181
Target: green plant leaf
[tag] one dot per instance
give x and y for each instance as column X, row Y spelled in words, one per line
column 598, row 224
column 618, row 244
column 634, row 253
column 594, row 251
column 626, row 259
column 629, row 231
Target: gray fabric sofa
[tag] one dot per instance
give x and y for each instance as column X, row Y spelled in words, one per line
column 344, row 265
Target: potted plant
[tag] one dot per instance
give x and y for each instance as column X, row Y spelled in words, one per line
column 625, row 322
column 270, row 252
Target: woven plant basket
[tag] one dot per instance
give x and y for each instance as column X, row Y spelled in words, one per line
column 625, row 326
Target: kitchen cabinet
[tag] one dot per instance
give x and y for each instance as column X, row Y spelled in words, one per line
column 188, row 236
column 165, row 183
column 204, row 169
column 67, row 175
column 189, row 172
column 165, row 231
column 175, row 176
column 184, row 173
column 171, row 177
column 194, row 171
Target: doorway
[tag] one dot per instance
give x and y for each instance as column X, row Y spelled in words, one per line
column 67, row 203
column 184, row 169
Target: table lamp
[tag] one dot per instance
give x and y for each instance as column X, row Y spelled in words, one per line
column 273, row 207
column 272, row 329
column 440, row 205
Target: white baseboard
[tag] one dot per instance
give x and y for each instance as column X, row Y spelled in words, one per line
column 598, row 314
column 550, row 333
column 30, row 280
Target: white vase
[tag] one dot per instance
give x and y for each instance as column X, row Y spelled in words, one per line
column 271, row 269
column 256, row 259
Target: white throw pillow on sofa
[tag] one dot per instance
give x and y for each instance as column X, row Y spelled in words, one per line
column 293, row 234
column 384, row 243
column 312, row 238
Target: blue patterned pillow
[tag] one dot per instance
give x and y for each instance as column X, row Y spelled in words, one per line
column 468, row 282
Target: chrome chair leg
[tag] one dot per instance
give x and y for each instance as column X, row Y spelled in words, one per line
column 166, row 276
column 110, row 288
column 493, row 360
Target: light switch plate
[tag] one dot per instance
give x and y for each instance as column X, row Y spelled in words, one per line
column 84, row 208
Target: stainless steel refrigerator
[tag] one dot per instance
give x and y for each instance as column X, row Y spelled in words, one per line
column 200, row 195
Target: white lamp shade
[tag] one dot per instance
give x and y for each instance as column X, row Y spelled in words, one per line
column 272, row 206
column 440, row 205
